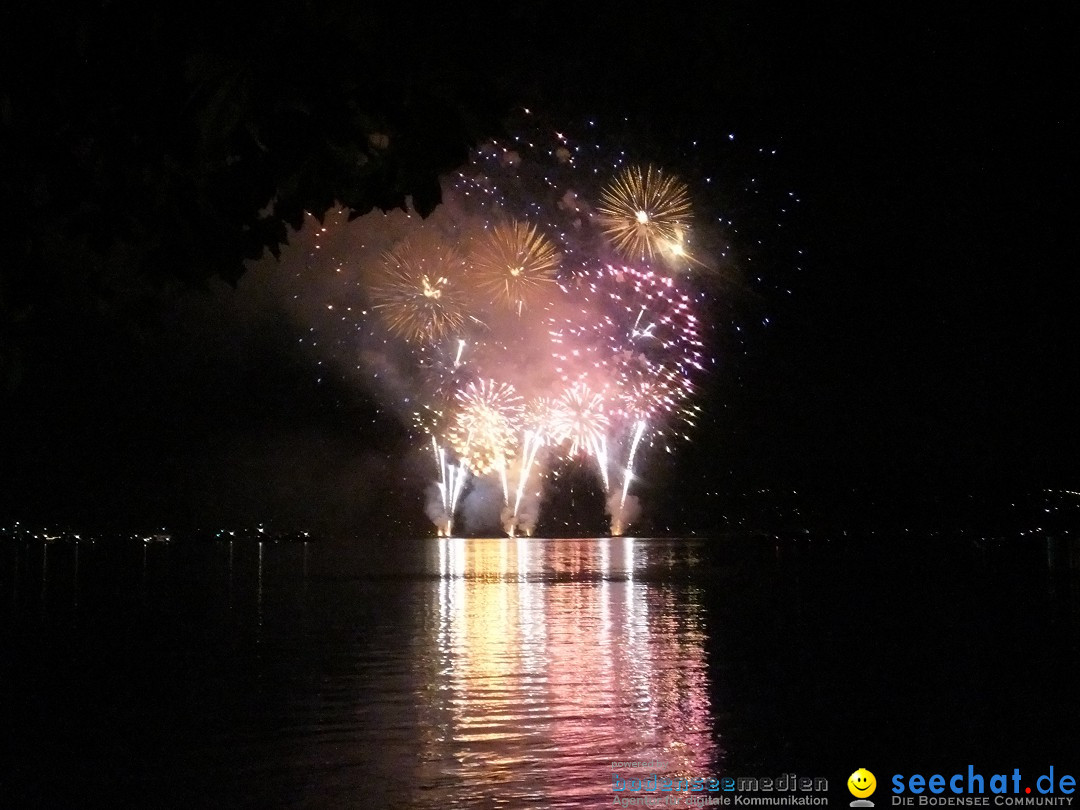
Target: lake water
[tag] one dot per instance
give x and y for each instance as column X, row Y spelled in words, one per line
column 513, row 673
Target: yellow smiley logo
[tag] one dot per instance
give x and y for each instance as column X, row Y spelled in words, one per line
column 861, row 783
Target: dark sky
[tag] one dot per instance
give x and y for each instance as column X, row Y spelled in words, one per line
column 932, row 342
column 929, row 343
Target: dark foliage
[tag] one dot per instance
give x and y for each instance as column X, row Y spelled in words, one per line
column 143, row 141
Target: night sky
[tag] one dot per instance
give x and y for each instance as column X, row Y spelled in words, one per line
column 921, row 343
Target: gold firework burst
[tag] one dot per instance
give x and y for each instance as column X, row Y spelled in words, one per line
column 420, row 293
column 484, row 433
column 645, row 213
column 512, row 263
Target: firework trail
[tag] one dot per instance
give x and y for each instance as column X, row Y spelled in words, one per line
column 448, row 491
column 618, row 517
column 535, row 433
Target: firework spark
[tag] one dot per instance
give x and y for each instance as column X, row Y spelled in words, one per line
column 645, row 213
column 513, row 263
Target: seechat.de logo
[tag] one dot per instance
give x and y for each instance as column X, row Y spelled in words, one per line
column 974, row 789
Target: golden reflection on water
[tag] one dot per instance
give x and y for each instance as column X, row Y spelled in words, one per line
column 555, row 660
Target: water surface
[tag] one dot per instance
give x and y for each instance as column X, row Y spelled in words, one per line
column 491, row 672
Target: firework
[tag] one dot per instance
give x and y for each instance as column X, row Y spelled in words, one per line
column 635, row 330
column 579, row 417
column 515, row 278
column 420, row 294
column 536, row 427
column 484, row 433
column 449, row 488
column 649, row 397
column 513, row 263
column 537, row 416
column 645, row 213
column 618, row 518
column 443, row 372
